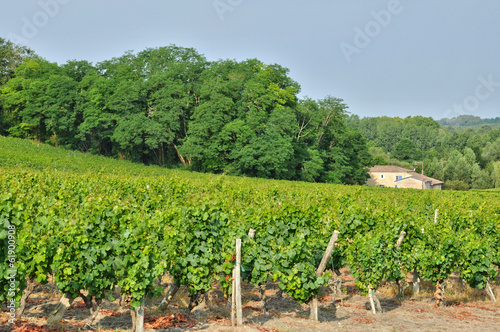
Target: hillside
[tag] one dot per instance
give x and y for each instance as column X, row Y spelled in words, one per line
column 27, row 154
column 172, row 107
column 99, row 229
column 470, row 121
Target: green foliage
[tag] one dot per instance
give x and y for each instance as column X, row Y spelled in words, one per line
column 492, row 151
column 406, row 150
column 439, row 256
column 198, row 242
column 468, row 120
column 169, row 106
column 97, row 223
column 477, row 266
column 292, row 259
column 462, row 157
column 11, row 55
column 373, row 258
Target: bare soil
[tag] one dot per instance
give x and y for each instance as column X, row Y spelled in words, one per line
column 465, row 309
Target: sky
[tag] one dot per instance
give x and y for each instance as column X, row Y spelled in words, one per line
column 402, row 58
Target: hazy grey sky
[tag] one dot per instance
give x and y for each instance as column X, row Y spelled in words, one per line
column 383, row 57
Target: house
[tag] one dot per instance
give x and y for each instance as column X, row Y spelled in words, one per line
column 399, row 177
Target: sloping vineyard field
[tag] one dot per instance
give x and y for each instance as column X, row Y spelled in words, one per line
column 92, row 224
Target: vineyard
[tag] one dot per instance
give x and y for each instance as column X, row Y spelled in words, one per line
column 94, row 225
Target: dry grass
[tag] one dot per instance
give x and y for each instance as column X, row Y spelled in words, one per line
column 456, row 290
column 462, row 304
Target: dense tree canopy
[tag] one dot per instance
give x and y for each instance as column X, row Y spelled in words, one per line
column 170, row 106
column 11, row 55
column 463, row 156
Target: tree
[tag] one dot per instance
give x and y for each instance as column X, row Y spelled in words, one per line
column 495, row 174
column 358, row 158
column 389, row 132
column 170, row 106
column 434, row 168
column 27, row 97
column 491, row 151
column 267, row 155
column 98, row 121
column 11, row 55
column 463, row 172
column 343, row 151
column 207, row 142
column 172, row 91
column 406, row 150
column 245, row 112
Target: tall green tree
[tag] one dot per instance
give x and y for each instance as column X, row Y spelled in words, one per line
column 170, row 106
column 245, row 112
column 343, row 151
column 406, row 150
column 11, row 55
column 27, row 98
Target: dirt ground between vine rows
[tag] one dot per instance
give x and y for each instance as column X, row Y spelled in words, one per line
column 465, row 310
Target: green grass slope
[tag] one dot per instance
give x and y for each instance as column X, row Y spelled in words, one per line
column 22, row 153
column 18, row 155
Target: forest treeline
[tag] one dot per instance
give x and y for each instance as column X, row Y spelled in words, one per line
column 469, row 120
column 464, row 157
column 170, row 106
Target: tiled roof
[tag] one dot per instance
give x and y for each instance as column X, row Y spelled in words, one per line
column 389, row 168
column 420, row 177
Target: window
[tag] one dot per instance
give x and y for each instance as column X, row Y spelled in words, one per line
column 396, row 186
column 382, row 185
column 381, row 176
column 399, row 177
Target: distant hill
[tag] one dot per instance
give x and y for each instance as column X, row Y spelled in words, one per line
column 469, row 121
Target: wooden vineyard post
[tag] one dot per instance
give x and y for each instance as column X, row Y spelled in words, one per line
column 436, row 216
column 400, row 240
column 371, row 292
column 139, row 325
column 398, row 244
column 416, row 282
column 233, row 298
column 314, row 302
column 236, row 299
column 251, row 233
column 489, row 291
column 99, row 329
